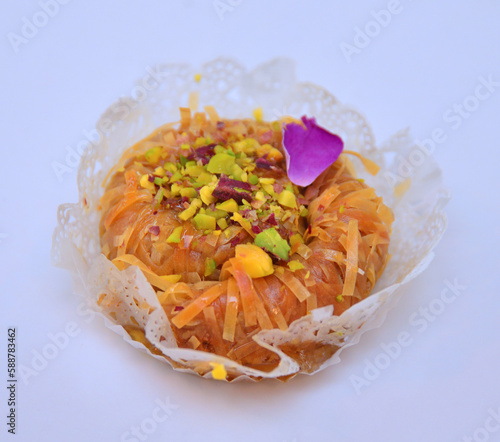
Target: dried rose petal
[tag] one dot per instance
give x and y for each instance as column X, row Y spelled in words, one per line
column 226, row 189
column 225, row 181
column 256, row 229
column 154, row 230
column 264, row 163
column 309, row 151
column 203, row 153
column 272, row 220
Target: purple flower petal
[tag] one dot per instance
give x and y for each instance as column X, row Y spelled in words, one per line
column 309, row 151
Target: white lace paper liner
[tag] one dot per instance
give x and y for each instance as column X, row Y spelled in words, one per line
column 236, row 92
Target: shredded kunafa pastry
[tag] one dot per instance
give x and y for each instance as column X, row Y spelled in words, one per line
column 244, row 225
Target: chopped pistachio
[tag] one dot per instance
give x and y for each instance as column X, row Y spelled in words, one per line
column 268, row 189
column 204, row 178
column 210, row 266
column 195, row 170
column 185, row 146
column 206, row 194
column 271, row 240
column 228, row 206
column 222, row 223
column 176, row 177
column 204, row 222
column 170, row 167
column 159, row 197
column 191, row 210
column 237, row 172
column 221, row 163
column 339, row 298
column 217, row 214
column 175, row 236
column 253, row 179
column 160, row 181
column 144, row 182
column 341, row 209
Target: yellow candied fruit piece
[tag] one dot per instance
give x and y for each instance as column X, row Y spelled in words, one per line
column 308, row 274
column 264, row 149
column 267, row 181
column 185, row 146
column 218, row 371
column 121, row 169
column 197, row 77
column 217, row 232
column 295, row 265
column 237, row 172
column 258, row 114
column 176, row 189
column 194, row 170
column 206, row 195
column 255, row 261
column 287, row 199
column 171, row 167
column 228, row 206
column 341, row 209
column 200, row 141
column 247, row 146
column 295, row 238
column 160, row 171
column 144, row 182
column 339, row 298
column 205, row 178
column 274, row 155
column 190, row 192
column 259, row 196
column 153, row 155
column 191, row 210
column 172, row 278
column 269, row 189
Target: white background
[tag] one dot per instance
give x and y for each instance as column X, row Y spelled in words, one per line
column 443, row 387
